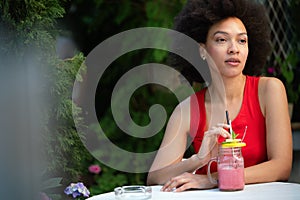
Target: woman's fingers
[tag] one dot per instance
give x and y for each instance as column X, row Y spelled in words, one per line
column 223, row 125
column 186, row 186
column 224, row 133
column 179, row 183
column 172, row 184
column 219, row 130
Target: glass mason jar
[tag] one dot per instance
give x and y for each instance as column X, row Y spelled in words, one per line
column 230, row 168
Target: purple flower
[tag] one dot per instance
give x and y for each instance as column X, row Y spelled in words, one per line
column 271, row 70
column 77, row 189
column 95, row 169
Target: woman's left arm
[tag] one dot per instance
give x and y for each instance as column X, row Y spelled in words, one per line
column 273, row 102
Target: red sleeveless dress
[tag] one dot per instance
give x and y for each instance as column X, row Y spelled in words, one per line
column 250, row 115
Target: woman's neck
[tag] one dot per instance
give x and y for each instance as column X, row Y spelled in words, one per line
column 229, row 91
column 225, row 95
column 234, row 87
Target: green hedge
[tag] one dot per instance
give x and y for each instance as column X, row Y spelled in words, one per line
column 31, row 24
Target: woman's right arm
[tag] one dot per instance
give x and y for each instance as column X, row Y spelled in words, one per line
column 168, row 161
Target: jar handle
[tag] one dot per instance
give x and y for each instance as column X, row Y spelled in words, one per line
column 211, row 179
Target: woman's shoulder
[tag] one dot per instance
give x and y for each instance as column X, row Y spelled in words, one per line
column 200, row 93
column 184, row 106
column 270, row 84
column 271, row 89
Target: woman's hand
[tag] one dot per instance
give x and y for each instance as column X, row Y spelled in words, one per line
column 187, row 181
column 210, row 139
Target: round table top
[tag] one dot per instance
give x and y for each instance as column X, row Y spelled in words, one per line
column 273, row 190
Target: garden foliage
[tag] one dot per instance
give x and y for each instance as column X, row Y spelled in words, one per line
column 31, row 26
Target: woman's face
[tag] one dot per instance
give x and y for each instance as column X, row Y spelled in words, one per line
column 227, row 45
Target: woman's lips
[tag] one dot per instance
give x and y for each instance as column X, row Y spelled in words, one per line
column 233, row 61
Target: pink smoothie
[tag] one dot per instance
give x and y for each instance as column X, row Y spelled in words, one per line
column 231, row 179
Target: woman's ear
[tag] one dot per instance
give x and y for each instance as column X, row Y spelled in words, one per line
column 202, row 51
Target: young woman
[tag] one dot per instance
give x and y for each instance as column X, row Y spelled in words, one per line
column 233, row 38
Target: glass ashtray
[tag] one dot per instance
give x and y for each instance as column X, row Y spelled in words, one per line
column 133, row 192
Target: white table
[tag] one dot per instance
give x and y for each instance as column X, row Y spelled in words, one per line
column 274, row 190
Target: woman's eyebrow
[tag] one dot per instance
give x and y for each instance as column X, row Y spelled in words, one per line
column 221, row 32
column 225, row 33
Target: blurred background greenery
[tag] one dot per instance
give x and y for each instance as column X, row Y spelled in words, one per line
column 88, row 23
column 40, row 24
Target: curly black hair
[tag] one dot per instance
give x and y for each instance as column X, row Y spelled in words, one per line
column 197, row 16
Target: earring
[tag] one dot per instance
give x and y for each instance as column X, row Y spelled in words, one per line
column 203, row 57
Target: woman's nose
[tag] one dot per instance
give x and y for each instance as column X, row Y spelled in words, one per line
column 233, row 48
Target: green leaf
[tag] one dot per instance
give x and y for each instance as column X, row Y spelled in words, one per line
column 234, row 135
column 124, row 12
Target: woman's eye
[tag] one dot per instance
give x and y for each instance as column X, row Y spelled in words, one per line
column 243, row 41
column 220, row 40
